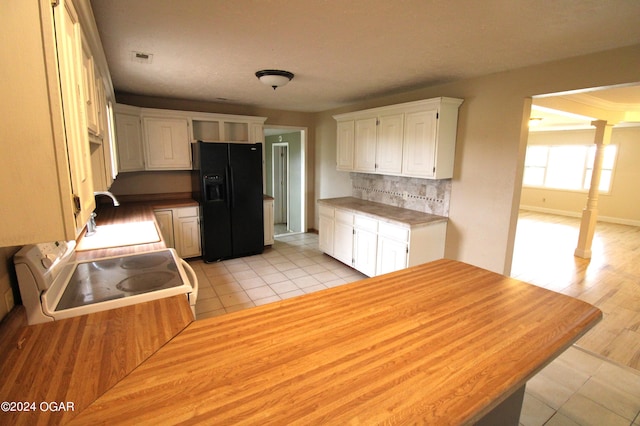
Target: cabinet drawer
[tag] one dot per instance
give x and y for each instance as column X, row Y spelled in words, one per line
column 366, row 223
column 187, row 211
column 394, row 232
column 344, row 216
column 326, row 211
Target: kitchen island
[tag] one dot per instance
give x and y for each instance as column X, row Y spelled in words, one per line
column 439, row 343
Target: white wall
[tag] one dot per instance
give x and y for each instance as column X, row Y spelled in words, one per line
column 490, row 150
column 620, row 205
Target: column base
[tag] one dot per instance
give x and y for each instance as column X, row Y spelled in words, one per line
column 584, row 254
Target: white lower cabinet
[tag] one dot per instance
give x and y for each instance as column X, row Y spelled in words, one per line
column 164, row 218
column 180, row 227
column 269, row 232
column 375, row 246
column 393, row 248
column 343, row 237
column 326, row 230
column 365, row 242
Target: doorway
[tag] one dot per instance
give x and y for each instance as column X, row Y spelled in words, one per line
column 280, row 185
column 285, row 170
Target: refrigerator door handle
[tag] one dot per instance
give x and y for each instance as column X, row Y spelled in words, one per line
column 230, row 194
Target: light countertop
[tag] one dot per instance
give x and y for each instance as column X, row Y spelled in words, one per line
column 396, row 215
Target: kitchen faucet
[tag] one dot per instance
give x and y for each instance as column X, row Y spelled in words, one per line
column 91, row 224
column 108, row 194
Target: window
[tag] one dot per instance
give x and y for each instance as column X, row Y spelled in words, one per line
column 566, row 167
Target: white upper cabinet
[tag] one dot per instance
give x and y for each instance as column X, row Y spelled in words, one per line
column 90, row 95
column 365, row 145
column 389, row 144
column 159, row 139
column 129, row 138
column 167, row 143
column 45, row 146
column 420, row 143
column 70, row 63
column 414, row 139
column 344, row 148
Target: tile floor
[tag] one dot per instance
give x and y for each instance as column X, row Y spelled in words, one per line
column 578, row 388
column 292, row 266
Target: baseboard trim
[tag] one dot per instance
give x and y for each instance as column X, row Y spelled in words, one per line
column 608, row 219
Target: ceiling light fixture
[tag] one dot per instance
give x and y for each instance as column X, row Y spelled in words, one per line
column 274, row 78
column 535, row 121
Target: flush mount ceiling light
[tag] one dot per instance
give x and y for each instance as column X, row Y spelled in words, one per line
column 535, row 121
column 274, row 78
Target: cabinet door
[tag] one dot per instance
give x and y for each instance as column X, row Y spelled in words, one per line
column 256, row 133
column 365, row 145
column 167, row 144
column 392, row 255
column 69, row 49
column 344, row 148
column 165, row 222
column 326, row 234
column 186, row 231
column 91, row 104
column 187, row 236
column 268, row 223
column 129, row 140
column 364, row 251
column 389, row 144
column 343, row 241
column 420, row 143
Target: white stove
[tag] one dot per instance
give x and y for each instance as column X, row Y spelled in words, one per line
column 54, row 285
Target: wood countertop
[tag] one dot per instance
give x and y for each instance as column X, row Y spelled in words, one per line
column 76, row 360
column 396, row 215
column 128, row 212
column 440, row 343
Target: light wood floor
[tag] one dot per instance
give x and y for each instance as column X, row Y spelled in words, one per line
column 610, row 280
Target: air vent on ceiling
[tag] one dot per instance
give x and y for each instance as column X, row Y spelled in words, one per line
column 141, row 57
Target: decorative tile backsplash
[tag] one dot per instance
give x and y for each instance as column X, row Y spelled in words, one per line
column 424, row 195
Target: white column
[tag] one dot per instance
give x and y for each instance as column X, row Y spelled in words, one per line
column 590, row 212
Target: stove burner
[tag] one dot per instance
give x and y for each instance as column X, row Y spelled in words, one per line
column 145, row 281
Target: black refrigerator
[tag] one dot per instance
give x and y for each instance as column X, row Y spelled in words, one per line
column 227, row 182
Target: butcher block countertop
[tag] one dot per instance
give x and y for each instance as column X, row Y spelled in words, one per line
column 76, row 360
column 439, row 343
column 396, row 215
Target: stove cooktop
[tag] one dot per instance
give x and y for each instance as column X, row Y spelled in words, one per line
column 108, row 279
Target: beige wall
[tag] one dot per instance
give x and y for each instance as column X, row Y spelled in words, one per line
column 621, row 205
column 490, row 148
column 491, row 144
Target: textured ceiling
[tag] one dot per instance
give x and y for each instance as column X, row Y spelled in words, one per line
column 343, row 51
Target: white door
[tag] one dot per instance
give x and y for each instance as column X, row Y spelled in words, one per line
column 280, row 158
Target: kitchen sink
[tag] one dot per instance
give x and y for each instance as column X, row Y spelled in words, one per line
column 124, row 234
